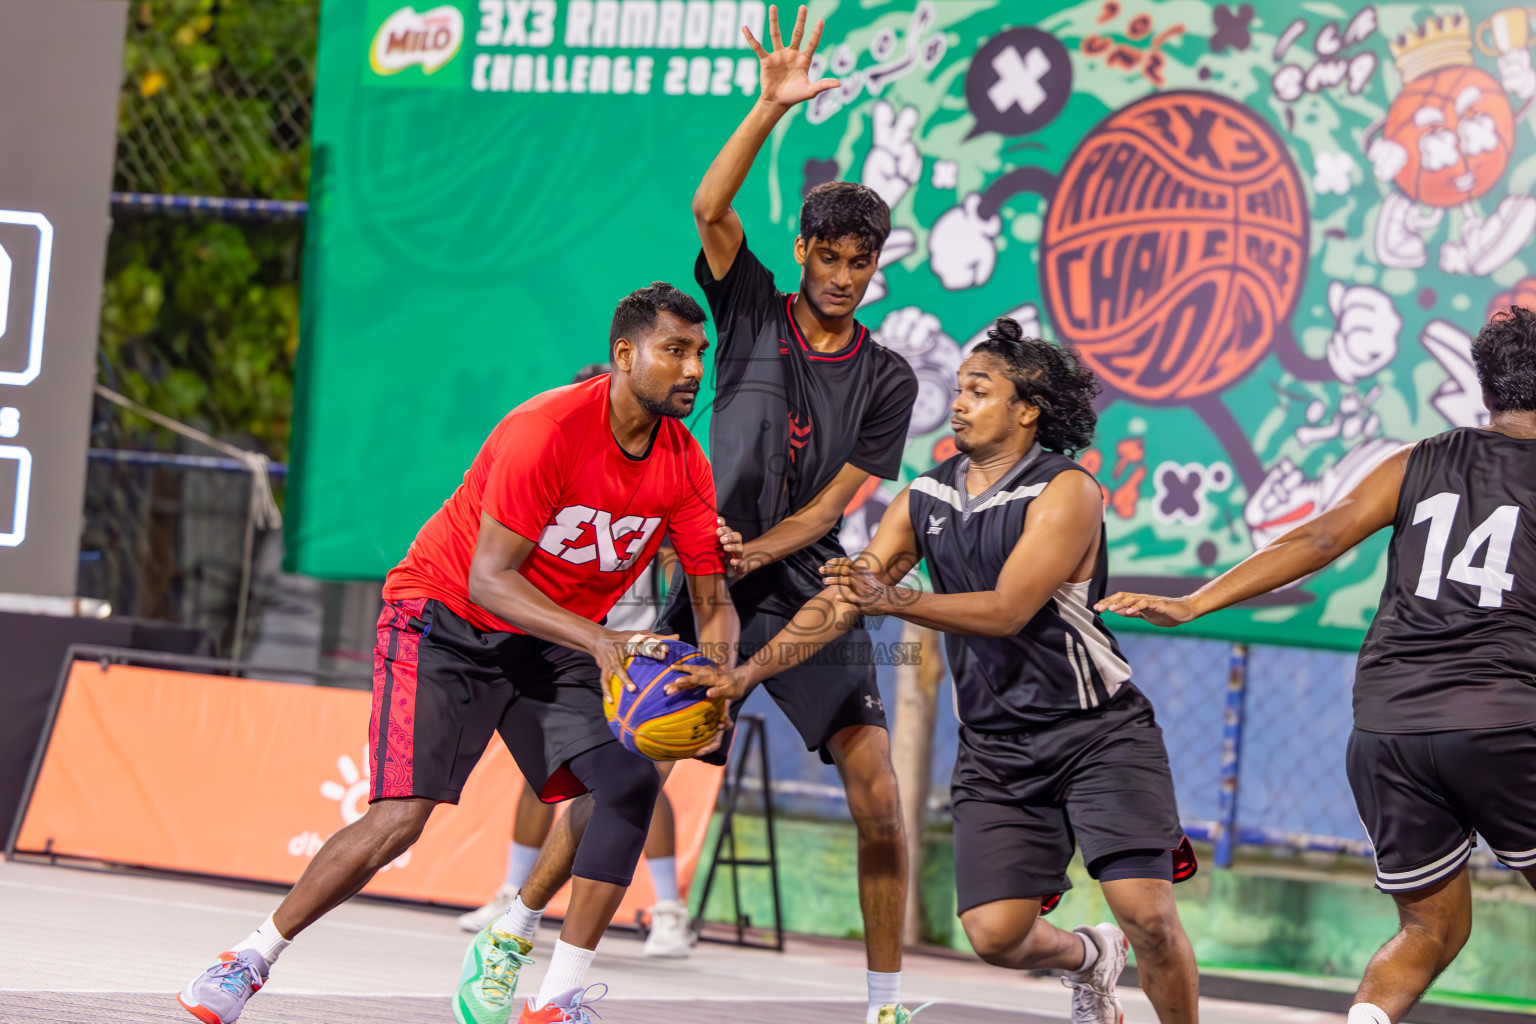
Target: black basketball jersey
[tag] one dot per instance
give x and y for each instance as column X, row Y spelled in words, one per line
column 1453, row 644
column 1064, row 661
column 788, row 418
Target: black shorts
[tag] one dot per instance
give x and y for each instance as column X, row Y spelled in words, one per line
column 441, row 687
column 1021, row 800
column 820, row 697
column 1422, row 795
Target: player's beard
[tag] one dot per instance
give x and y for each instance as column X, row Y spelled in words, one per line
column 663, row 404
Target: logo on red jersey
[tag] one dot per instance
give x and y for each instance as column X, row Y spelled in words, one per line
column 613, row 543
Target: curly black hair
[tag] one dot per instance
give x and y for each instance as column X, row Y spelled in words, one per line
column 1052, row 379
column 1504, row 353
column 843, row 209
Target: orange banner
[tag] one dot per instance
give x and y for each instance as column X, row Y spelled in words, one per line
column 246, row 779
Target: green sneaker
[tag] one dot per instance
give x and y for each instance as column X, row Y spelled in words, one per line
column 488, row 981
column 895, row 1013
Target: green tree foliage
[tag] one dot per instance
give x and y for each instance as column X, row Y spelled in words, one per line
column 200, row 316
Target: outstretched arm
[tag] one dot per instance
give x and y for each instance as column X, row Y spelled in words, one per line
column 806, row 525
column 1060, row 529
column 784, row 83
column 891, row 554
column 1301, row 552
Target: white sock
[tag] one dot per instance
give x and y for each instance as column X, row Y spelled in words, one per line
column 1090, row 954
column 1368, row 1013
column 520, row 862
column 567, row 970
column 884, row 990
column 519, row 920
column 266, row 940
column 664, row 878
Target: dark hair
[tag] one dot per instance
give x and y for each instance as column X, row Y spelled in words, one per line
column 1505, row 355
column 844, row 209
column 1051, row 378
column 637, row 311
column 589, row 371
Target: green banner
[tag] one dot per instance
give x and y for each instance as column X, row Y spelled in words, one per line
column 1271, row 228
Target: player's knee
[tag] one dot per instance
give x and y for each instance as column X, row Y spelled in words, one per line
column 880, row 825
column 626, row 787
column 997, row 941
column 394, row 825
column 1153, row 932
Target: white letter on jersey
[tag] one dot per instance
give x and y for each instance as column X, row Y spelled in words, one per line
column 566, row 528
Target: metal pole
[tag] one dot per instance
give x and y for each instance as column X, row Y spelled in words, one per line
column 242, row 600
column 1231, row 755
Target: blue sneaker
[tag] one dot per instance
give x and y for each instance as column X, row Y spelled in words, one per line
column 219, row 994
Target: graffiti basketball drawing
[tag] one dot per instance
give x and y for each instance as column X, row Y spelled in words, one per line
column 1175, row 245
column 1446, row 143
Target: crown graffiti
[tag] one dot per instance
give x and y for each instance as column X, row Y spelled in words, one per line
column 1442, row 42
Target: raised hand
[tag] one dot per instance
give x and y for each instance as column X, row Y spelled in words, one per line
column 785, row 71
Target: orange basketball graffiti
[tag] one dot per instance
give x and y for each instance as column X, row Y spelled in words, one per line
column 1457, row 131
column 1175, row 245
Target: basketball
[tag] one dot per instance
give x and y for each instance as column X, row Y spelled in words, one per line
column 1457, row 130
column 653, row 723
column 1175, row 244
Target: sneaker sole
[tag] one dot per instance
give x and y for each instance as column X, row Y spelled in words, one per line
column 202, row 1013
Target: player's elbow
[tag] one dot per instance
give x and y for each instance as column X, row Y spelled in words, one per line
column 481, row 583
column 705, row 210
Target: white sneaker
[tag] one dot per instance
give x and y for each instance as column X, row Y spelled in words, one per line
column 670, row 934
column 1093, row 990
column 477, row 920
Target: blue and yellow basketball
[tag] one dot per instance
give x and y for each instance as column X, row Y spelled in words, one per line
column 652, row 723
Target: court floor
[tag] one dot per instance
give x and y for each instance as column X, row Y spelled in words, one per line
column 79, row 946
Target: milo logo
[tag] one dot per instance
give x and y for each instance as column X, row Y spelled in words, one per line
column 430, row 39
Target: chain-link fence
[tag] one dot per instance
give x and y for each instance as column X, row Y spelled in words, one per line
column 200, row 313
column 217, row 97
column 164, row 539
column 1288, row 726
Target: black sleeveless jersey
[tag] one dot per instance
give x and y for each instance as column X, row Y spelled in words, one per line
column 1064, row 661
column 788, row 418
column 1453, row 644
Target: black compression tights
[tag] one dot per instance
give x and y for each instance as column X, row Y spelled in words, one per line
column 624, row 788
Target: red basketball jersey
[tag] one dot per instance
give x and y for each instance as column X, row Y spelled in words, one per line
column 552, row 472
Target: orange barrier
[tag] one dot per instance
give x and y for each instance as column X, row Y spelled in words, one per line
column 246, row 779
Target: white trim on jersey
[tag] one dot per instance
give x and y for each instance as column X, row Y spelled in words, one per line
column 943, row 492
column 1072, row 604
column 1003, row 497
column 1084, row 685
column 1429, row 874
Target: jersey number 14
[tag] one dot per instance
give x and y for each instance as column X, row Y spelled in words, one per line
column 1497, row 532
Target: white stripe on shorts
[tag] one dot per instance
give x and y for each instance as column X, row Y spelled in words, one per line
column 1429, row 874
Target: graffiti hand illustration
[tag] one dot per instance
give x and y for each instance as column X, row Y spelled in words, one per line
column 1387, row 158
column 899, row 244
column 920, row 339
column 1365, row 333
column 1400, row 227
column 1460, row 398
column 961, row 247
column 1287, row 498
column 1516, row 74
column 893, row 164
column 1489, row 243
